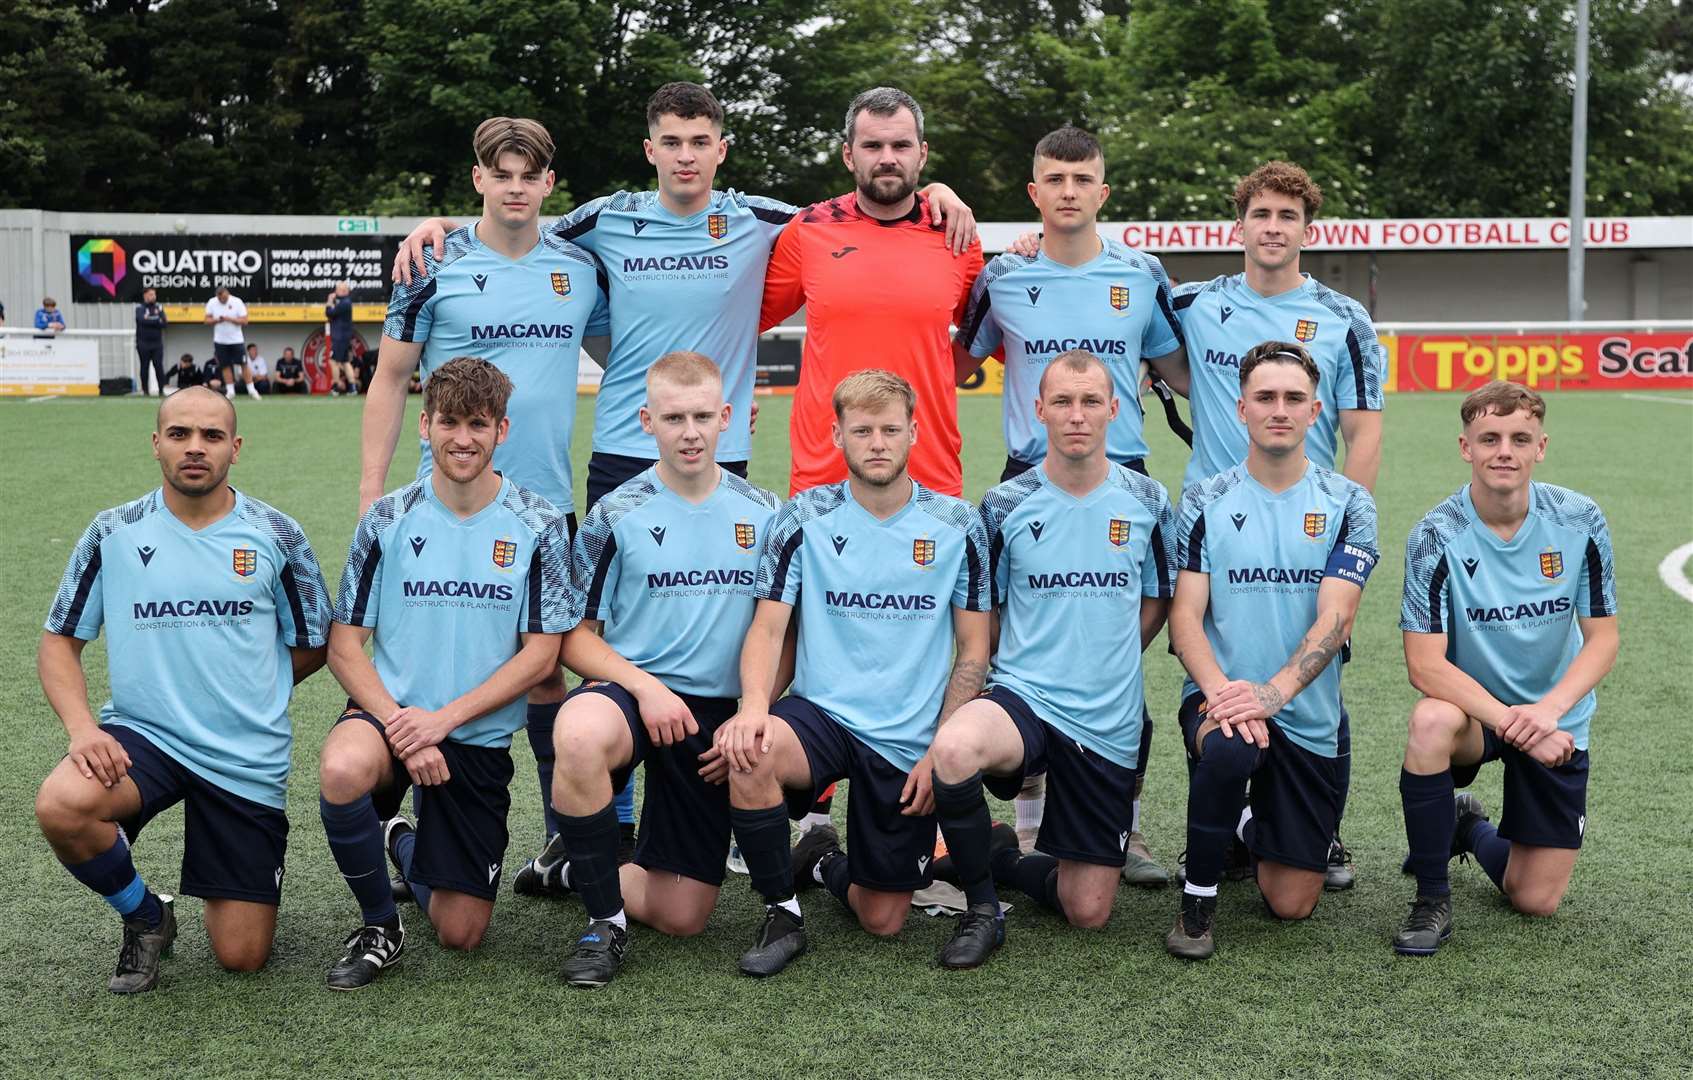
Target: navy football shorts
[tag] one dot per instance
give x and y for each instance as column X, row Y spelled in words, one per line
column 232, row 848
column 1544, row 807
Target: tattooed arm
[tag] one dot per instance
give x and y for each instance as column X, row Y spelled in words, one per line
column 971, row 631
column 1337, row 606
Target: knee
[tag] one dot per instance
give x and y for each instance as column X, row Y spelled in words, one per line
column 342, row 778
column 957, row 753
column 62, row 807
column 1435, row 722
column 1540, row 903
column 460, row 936
column 1087, row 915
column 1291, row 908
column 580, row 746
column 883, row 920
column 686, row 924
column 1227, row 758
column 242, row 955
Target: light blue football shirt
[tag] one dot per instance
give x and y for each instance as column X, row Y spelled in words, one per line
column 694, row 283
column 1116, row 306
column 526, row 316
column 1509, row 608
column 198, row 628
column 673, row 580
column 1222, row 318
column 1266, row 554
column 875, row 602
column 1068, row 577
column 450, row 599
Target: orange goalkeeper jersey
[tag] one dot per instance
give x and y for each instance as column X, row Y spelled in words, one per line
column 877, row 294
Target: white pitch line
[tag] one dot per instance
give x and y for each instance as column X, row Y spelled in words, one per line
column 1673, row 571
column 1652, row 397
column 43, row 397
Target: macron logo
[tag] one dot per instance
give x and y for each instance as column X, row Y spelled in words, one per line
column 640, row 225
column 1034, row 295
column 481, row 281
column 146, row 554
column 1470, row 566
column 840, row 542
column 922, row 863
column 1036, row 528
column 1239, row 520
column 493, row 872
column 657, row 534
column 1225, row 317
column 417, row 543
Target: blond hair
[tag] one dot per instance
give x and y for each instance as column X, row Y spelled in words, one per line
column 872, row 389
column 684, row 368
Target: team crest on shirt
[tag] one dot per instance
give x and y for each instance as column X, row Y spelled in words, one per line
column 561, row 283
column 717, row 225
column 1316, row 525
column 1305, row 329
column 745, row 535
column 505, row 553
column 1119, row 298
column 923, row 552
column 246, row 562
column 1552, row 563
column 1118, row 532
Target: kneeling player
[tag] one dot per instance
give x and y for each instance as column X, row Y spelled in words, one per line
column 1510, row 622
column 214, row 608
column 666, row 564
column 1273, row 556
column 461, row 577
column 1082, row 553
column 888, row 577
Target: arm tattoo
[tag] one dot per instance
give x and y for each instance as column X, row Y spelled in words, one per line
column 1268, row 697
column 1311, row 663
column 966, row 683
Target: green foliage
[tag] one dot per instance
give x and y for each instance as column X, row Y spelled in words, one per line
column 1397, row 107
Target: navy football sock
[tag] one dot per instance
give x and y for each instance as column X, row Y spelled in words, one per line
column 1215, row 795
column 539, row 725
column 763, row 839
column 1343, row 766
column 1035, row 875
column 405, row 846
column 1145, row 748
column 837, row 876
column 590, row 843
column 968, row 828
column 112, row 874
column 1491, row 850
column 1428, row 828
column 354, row 833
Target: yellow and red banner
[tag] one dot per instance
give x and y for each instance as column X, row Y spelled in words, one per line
column 1548, row 361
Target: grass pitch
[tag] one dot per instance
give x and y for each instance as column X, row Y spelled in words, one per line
column 1603, row 989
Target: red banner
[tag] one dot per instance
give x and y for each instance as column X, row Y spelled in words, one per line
column 1552, row 361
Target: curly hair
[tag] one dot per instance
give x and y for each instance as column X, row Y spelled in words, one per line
column 1283, row 178
column 467, row 386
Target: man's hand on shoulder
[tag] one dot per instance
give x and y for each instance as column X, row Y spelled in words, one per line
column 431, row 233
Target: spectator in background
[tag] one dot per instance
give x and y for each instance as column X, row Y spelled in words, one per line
column 48, row 317
column 365, row 365
column 258, row 368
column 226, row 314
column 186, row 373
column 290, row 375
column 338, row 313
column 150, row 323
column 213, row 373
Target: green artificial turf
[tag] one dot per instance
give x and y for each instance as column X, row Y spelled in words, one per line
column 1601, row 990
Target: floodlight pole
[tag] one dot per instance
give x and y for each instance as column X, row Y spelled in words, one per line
column 1578, row 172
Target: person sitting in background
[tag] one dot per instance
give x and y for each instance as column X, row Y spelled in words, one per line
column 48, row 317
column 416, row 384
column 212, row 372
column 290, row 375
column 258, row 369
column 186, row 373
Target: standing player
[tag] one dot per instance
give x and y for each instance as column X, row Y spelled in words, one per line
column 1510, row 623
column 889, row 579
column 1273, row 556
column 460, row 577
column 1271, row 299
column 214, row 608
column 666, row 566
column 226, row 314
column 1079, row 292
column 1083, row 566
column 523, row 301
column 877, row 279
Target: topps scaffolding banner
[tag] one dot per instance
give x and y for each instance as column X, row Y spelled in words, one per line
column 258, row 269
column 1619, row 361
